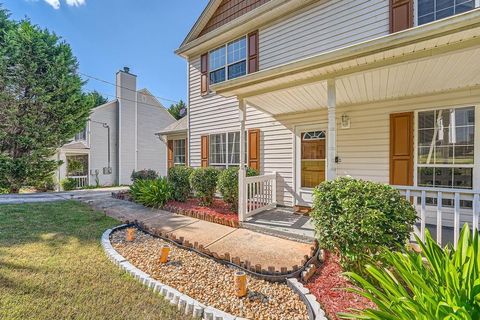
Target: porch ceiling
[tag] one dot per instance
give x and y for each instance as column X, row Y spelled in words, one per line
column 395, row 66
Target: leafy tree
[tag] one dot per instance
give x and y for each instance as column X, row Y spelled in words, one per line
column 178, row 110
column 41, row 101
column 97, row 98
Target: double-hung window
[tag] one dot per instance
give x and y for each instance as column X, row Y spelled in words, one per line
column 225, row 149
column 431, row 10
column 82, row 135
column 228, row 61
column 446, row 139
column 179, row 154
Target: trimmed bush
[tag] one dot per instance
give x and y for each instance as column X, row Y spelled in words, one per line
column 444, row 286
column 357, row 218
column 204, row 182
column 146, row 174
column 179, row 178
column 151, row 193
column 69, row 184
column 228, row 185
column 46, row 185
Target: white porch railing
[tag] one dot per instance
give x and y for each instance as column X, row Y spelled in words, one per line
column 260, row 193
column 442, row 207
column 81, row 181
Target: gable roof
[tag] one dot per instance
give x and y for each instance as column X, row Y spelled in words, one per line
column 179, row 126
column 145, row 91
column 202, row 21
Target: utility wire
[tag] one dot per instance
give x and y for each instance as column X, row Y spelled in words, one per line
column 116, row 85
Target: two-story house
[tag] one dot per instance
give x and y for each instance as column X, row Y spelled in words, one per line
column 309, row 90
column 118, row 139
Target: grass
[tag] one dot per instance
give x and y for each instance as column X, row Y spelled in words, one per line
column 53, row 267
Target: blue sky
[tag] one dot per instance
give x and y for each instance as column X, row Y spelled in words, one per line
column 106, row 35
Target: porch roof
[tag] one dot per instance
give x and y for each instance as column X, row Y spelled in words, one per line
column 436, row 57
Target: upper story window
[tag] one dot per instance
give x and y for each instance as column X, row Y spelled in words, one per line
column 82, row 135
column 431, row 10
column 228, row 61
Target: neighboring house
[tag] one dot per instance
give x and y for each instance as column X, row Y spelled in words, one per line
column 384, row 90
column 175, row 136
column 119, row 138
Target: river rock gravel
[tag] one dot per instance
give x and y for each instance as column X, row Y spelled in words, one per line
column 210, row 282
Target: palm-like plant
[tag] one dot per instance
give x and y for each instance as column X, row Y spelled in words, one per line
column 440, row 284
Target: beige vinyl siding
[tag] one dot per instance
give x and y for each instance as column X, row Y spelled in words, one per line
column 99, row 144
column 323, row 26
column 151, row 149
column 208, row 114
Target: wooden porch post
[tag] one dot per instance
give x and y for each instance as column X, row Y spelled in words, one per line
column 332, row 130
column 242, row 172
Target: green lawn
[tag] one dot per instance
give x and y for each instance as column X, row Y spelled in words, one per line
column 53, row 267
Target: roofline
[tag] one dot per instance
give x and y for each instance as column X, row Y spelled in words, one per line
column 428, row 31
column 250, row 21
column 105, row 104
column 164, row 133
column 209, row 8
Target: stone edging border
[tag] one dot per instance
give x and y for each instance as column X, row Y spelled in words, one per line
column 202, row 216
column 184, row 303
column 314, row 309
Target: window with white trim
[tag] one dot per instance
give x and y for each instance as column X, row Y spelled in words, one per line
column 445, row 151
column 431, row 10
column 179, row 154
column 224, row 149
column 82, row 135
column 228, row 61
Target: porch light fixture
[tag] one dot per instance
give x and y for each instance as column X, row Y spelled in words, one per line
column 345, row 121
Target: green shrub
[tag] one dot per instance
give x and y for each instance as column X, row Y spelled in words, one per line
column 151, row 193
column 357, row 218
column 69, row 184
column 179, row 178
column 48, row 184
column 445, row 286
column 228, row 185
column 4, row 190
column 204, row 182
column 146, row 174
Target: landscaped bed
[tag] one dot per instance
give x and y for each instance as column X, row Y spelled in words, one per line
column 329, row 287
column 209, row 282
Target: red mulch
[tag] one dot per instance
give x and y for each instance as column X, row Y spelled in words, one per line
column 218, row 212
column 328, row 286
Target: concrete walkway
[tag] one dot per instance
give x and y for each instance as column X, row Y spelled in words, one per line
column 258, row 248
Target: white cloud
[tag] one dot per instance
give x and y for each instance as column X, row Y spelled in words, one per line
column 75, row 3
column 54, row 3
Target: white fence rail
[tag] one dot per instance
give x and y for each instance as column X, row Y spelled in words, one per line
column 444, row 208
column 260, row 193
column 80, row 181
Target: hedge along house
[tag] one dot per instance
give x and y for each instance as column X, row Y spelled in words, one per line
column 382, row 90
column 119, row 138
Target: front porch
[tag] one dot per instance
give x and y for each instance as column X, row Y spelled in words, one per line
column 366, row 101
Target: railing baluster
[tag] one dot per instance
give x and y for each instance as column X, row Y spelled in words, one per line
column 456, row 219
column 423, row 215
column 475, row 213
column 439, row 217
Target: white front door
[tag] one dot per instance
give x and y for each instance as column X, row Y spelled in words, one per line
column 310, row 161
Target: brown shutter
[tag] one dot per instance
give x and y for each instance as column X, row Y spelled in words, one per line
column 204, row 151
column 401, row 149
column 204, row 71
column 253, row 52
column 401, row 15
column 170, row 154
column 254, row 149
column 186, row 152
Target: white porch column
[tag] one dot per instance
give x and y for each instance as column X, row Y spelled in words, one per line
column 242, row 172
column 332, row 130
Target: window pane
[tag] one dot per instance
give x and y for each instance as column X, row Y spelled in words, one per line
column 423, row 153
column 463, row 6
column 464, row 155
column 425, row 7
column 425, row 177
column 465, row 116
column 234, row 147
column 426, row 120
column 425, row 137
column 217, row 76
column 238, row 69
column 237, row 50
column 444, row 4
column 444, row 13
column 463, row 178
column 465, row 135
column 179, row 152
column 217, row 58
column 443, row 178
column 426, row 19
column 444, row 155
column 217, row 148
